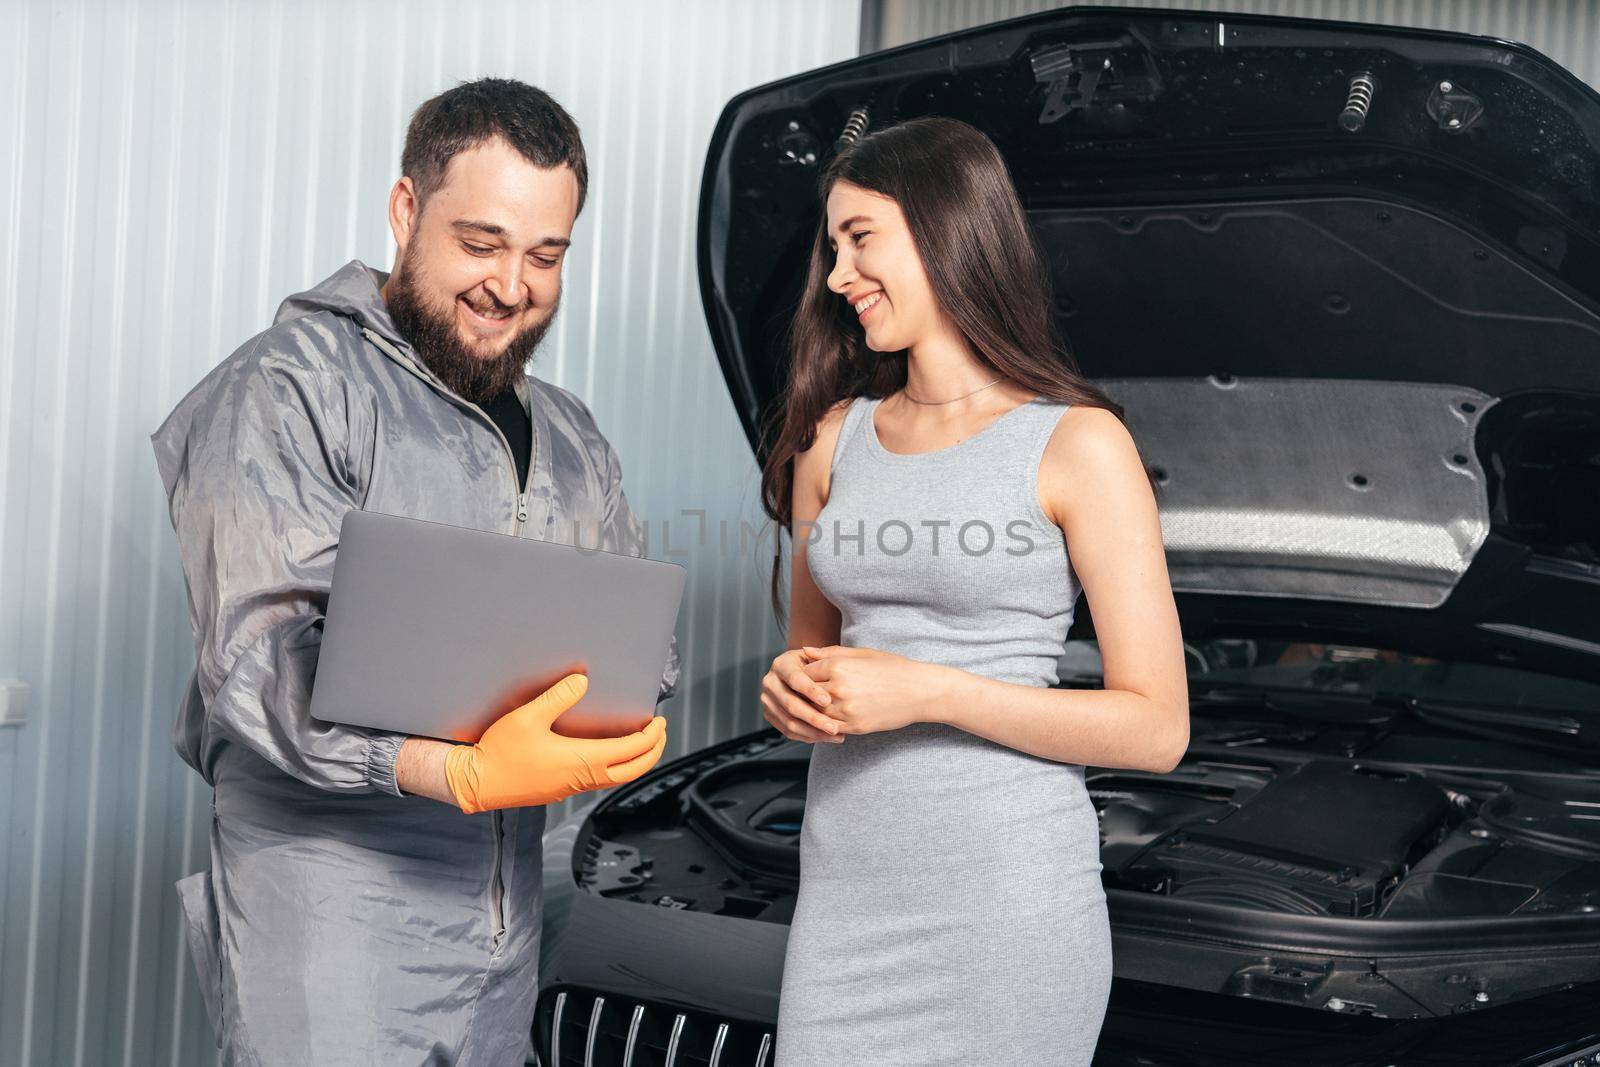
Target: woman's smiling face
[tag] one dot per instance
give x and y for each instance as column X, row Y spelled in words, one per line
column 877, row 270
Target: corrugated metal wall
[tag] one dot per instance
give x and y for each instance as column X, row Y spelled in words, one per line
column 1567, row 31
column 168, row 171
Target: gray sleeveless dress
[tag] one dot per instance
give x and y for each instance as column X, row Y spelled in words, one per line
column 950, row 908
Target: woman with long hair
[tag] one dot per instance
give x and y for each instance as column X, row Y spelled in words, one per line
column 938, row 453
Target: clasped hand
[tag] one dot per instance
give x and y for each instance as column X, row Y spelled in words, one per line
column 825, row 694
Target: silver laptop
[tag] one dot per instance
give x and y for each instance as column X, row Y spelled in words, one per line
column 438, row 631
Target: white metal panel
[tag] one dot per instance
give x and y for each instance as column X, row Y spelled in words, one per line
column 169, row 171
column 1568, row 31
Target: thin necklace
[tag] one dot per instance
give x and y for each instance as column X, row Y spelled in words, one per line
column 952, row 400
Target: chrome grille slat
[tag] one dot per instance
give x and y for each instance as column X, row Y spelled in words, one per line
column 633, row 1035
column 699, row 1038
column 594, row 1030
column 716, row 1046
column 555, row 1030
column 672, row 1045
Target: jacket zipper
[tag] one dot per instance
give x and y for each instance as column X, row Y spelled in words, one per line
column 497, row 914
column 511, row 458
column 497, row 888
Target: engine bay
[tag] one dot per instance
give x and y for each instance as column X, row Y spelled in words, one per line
column 1326, row 803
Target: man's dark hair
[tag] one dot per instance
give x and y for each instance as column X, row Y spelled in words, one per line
column 458, row 119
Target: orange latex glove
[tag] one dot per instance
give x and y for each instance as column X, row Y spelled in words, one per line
column 519, row 761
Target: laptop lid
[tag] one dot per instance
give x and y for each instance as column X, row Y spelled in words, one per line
column 437, row 631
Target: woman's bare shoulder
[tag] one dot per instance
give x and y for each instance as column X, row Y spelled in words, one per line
column 1090, row 454
column 812, row 466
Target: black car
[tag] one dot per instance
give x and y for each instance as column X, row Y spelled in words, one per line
column 1346, row 281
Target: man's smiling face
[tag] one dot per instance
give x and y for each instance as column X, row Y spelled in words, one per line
column 479, row 275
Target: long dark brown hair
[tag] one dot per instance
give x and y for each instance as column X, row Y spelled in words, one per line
column 985, row 270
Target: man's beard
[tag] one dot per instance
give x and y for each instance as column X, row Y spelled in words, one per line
column 433, row 334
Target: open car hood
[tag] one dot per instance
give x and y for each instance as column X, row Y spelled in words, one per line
column 1357, row 338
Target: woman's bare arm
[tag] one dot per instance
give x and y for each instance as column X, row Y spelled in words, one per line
column 1093, row 486
column 813, row 620
column 790, row 700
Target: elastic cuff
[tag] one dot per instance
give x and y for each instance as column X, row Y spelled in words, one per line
column 382, row 751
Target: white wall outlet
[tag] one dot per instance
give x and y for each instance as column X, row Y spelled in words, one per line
column 13, row 702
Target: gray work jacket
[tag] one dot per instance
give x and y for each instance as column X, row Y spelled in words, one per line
column 318, row 863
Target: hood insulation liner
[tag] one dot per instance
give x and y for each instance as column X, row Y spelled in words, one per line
column 1333, row 490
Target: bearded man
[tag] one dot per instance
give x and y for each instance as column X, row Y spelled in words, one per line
column 373, row 897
